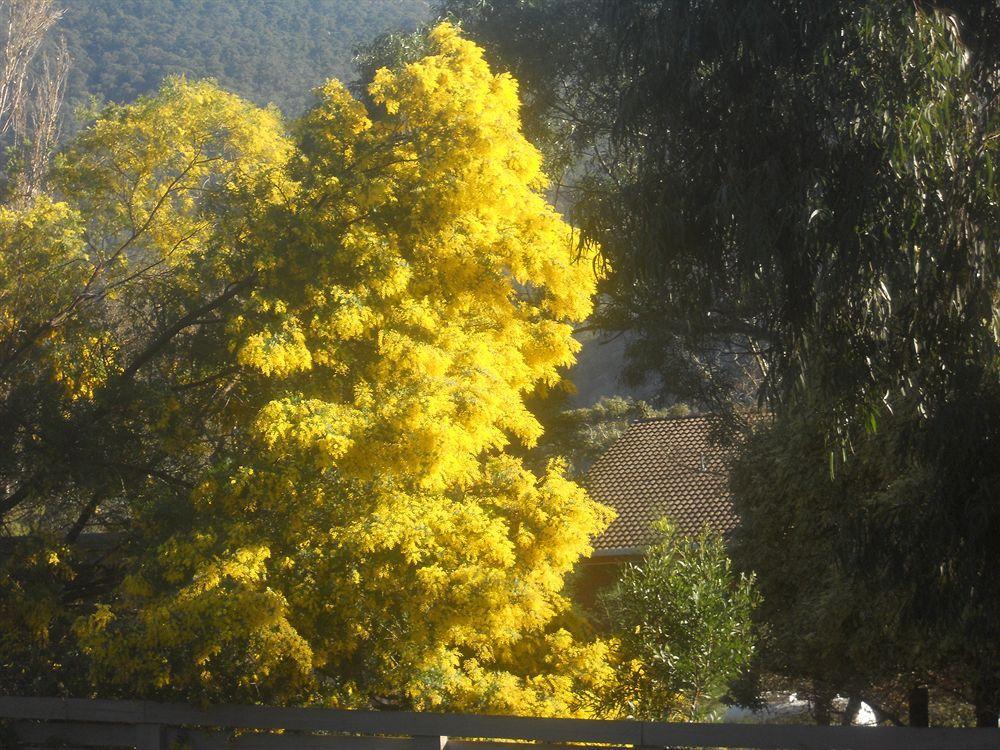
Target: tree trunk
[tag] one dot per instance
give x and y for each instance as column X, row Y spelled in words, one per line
column 851, row 710
column 822, row 708
column 919, row 711
column 987, row 714
column 987, row 703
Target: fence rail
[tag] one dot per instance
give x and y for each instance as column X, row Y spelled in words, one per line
column 145, row 725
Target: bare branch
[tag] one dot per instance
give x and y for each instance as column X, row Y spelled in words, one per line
column 25, row 105
column 42, row 134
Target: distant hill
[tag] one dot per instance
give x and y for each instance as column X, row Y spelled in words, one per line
column 266, row 50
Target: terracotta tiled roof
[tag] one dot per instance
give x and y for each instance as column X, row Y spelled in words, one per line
column 662, row 467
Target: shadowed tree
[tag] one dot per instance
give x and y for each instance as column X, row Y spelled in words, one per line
column 801, row 195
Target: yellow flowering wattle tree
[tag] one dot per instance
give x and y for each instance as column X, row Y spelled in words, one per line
column 112, row 286
column 396, row 285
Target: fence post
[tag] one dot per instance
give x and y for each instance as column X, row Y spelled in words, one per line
column 431, row 742
column 149, row 737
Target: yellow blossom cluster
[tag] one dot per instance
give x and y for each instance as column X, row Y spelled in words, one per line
column 363, row 529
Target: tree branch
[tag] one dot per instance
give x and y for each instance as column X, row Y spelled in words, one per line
column 161, row 341
column 85, row 515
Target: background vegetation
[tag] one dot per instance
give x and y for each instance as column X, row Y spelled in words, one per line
column 268, row 52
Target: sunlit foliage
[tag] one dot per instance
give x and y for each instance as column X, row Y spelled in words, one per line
column 306, row 351
column 682, row 617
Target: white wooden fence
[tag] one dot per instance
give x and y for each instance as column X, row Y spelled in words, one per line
column 69, row 723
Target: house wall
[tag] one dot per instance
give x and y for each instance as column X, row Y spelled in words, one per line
column 593, row 576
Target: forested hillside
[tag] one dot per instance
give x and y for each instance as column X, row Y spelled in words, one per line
column 266, row 51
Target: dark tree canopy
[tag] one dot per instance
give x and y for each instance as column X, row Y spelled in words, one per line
column 798, row 204
column 882, row 576
column 780, row 185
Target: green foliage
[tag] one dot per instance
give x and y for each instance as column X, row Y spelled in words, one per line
column 819, row 628
column 268, row 52
column 683, row 620
column 778, row 186
column 882, row 575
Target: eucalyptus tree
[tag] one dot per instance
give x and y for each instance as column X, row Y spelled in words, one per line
column 801, row 196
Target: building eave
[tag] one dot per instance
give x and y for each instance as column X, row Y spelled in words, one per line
column 619, row 552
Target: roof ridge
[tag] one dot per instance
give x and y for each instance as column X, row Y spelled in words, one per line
column 704, row 415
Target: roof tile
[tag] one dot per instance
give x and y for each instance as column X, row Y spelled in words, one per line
column 662, row 467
